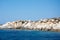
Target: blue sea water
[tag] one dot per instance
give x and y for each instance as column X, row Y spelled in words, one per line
column 28, row 35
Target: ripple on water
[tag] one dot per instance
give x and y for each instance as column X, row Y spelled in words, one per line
column 28, row 35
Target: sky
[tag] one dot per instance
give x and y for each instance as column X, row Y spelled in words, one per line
column 11, row 10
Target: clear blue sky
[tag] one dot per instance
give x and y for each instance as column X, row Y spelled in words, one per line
column 11, row 10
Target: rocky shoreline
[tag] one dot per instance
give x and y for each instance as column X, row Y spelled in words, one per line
column 51, row 24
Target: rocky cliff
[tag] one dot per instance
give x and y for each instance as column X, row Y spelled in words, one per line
column 51, row 24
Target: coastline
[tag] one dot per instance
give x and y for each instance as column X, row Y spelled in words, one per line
column 51, row 24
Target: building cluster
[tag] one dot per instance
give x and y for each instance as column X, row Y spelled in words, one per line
column 43, row 24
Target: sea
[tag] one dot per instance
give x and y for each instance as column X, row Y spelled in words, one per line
column 13, row 34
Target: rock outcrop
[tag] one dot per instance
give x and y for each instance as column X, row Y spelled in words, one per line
column 51, row 24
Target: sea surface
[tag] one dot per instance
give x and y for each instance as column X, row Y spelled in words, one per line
column 28, row 35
